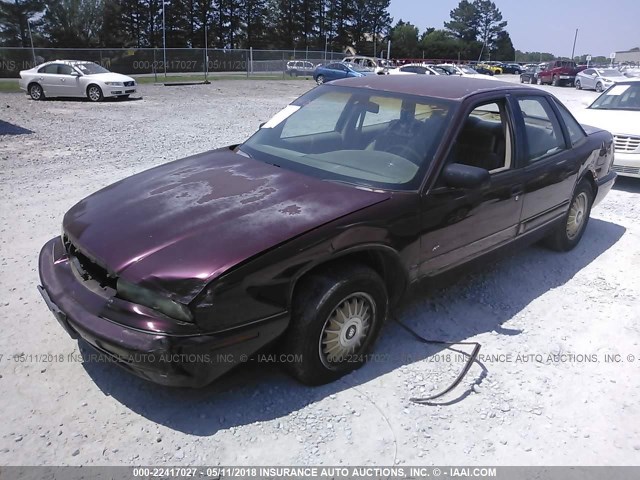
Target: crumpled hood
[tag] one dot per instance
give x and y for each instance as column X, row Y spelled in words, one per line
column 176, row 227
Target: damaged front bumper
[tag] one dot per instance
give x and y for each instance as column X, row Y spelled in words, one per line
column 175, row 358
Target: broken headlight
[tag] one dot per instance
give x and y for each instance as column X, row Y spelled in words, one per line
column 144, row 296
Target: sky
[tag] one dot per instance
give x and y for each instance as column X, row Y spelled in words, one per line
column 545, row 25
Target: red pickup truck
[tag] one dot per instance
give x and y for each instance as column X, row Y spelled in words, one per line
column 558, row 72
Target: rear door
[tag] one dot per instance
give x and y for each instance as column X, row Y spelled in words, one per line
column 459, row 224
column 50, row 80
column 550, row 166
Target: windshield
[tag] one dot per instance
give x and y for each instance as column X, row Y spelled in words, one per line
column 619, row 97
column 448, row 68
column 365, row 137
column 468, row 70
column 90, row 68
column 610, row 72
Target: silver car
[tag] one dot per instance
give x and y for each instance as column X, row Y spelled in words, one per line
column 598, row 79
column 73, row 78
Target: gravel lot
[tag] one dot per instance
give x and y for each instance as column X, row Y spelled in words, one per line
column 545, row 320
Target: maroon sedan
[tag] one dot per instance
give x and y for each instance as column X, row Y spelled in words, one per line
column 303, row 237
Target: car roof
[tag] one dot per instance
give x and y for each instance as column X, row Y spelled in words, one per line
column 439, row 86
column 66, row 62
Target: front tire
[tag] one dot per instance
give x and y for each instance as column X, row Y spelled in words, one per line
column 555, row 81
column 578, row 85
column 94, row 93
column 36, row 92
column 320, row 79
column 539, row 81
column 336, row 316
column 569, row 232
column 599, row 87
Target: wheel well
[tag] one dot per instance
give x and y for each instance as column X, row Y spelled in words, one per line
column 589, row 178
column 385, row 264
column 91, row 85
column 33, row 83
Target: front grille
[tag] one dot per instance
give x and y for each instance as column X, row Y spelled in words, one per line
column 625, row 169
column 626, row 143
column 129, row 84
column 86, row 268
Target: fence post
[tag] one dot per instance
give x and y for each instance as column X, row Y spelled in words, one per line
column 284, row 64
column 251, row 59
column 246, row 61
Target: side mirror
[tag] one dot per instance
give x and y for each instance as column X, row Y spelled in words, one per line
column 74, row 73
column 457, row 175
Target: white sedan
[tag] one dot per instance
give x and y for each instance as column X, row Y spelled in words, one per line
column 73, row 78
column 415, row 69
column 618, row 111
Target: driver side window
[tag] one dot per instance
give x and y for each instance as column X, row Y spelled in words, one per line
column 484, row 140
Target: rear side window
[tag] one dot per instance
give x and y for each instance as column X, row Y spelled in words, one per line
column 575, row 130
column 52, row 68
column 543, row 131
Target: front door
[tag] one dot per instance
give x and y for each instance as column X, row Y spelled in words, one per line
column 459, row 224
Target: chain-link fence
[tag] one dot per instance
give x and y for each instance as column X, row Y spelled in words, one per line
column 156, row 61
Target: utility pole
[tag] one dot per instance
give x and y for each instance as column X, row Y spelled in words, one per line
column 206, row 53
column 164, row 42
column 33, row 51
column 573, row 51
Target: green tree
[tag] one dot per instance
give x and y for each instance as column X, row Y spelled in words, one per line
column 464, row 22
column 504, row 47
column 14, row 31
column 441, row 44
column 404, row 40
column 73, row 23
column 490, row 23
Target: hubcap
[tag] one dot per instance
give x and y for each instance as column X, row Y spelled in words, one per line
column 346, row 328
column 35, row 92
column 577, row 215
column 94, row 94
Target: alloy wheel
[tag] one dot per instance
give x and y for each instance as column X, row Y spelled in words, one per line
column 577, row 215
column 346, row 328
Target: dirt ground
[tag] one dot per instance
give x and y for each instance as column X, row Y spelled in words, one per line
column 553, row 391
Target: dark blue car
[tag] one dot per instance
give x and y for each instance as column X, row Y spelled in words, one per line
column 334, row 71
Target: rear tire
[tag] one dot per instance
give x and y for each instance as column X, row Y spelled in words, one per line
column 36, row 92
column 94, row 93
column 539, row 81
column 532, row 80
column 577, row 85
column 569, row 232
column 555, row 81
column 336, row 317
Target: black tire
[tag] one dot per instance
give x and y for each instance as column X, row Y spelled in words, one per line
column 36, row 92
column 539, row 81
column 94, row 93
column 554, row 81
column 564, row 237
column 521, row 80
column 599, row 87
column 315, row 312
column 577, row 85
column 532, row 80
column 320, row 79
